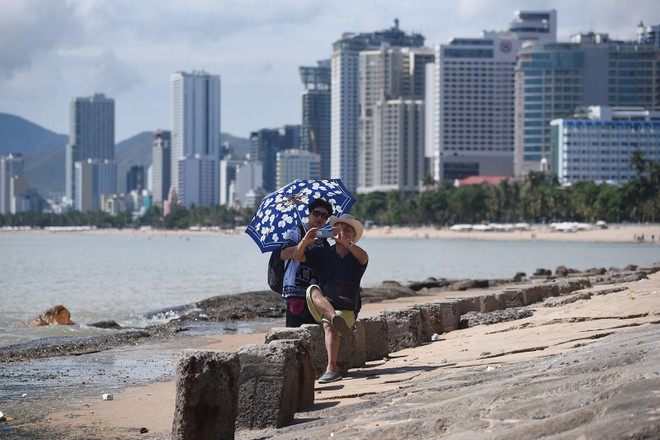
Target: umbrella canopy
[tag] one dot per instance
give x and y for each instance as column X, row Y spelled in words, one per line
column 279, row 211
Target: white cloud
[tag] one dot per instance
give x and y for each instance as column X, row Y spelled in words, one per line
column 111, row 75
column 32, row 27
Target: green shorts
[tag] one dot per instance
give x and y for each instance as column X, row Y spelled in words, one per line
column 348, row 315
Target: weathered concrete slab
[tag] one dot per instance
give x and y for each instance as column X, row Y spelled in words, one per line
column 268, row 385
column 376, row 337
column 207, row 389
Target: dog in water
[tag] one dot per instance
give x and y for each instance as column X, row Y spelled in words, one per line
column 58, row 315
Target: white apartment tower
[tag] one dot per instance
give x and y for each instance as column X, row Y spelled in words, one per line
column 13, row 182
column 91, row 136
column 295, row 164
column 391, row 124
column 196, row 136
column 345, row 95
column 473, row 102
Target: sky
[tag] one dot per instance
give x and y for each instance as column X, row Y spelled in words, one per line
column 54, row 50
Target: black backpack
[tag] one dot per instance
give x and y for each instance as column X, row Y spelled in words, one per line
column 277, row 267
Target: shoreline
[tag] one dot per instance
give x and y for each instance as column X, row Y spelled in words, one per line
column 614, row 233
column 136, row 405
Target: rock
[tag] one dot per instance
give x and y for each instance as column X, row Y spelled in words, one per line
column 58, row 315
column 106, row 324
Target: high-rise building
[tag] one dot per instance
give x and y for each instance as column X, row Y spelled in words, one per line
column 391, row 123
column 553, row 79
column 598, row 144
column 195, row 132
column 295, row 164
column 13, row 182
column 648, row 34
column 471, row 107
column 135, row 179
column 345, row 93
column 93, row 179
column 91, row 136
column 315, row 131
column 264, row 146
column 161, row 166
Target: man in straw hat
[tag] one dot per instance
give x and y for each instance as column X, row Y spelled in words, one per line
column 335, row 299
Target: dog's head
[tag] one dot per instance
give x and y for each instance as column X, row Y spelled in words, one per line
column 58, row 315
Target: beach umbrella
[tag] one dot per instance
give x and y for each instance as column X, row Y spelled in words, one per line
column 280, row 210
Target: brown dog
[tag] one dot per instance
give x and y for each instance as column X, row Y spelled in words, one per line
column 58, row 315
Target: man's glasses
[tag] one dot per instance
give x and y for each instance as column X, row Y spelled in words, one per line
column 323, row 215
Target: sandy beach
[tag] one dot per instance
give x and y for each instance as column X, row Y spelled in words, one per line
column 361, row 405
column 614, row 233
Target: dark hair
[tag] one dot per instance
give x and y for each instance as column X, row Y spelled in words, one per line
column 320, row 203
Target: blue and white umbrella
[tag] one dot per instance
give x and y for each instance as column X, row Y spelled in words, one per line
column 279, row 211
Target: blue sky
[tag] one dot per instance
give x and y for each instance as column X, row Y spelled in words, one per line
column 54, row 50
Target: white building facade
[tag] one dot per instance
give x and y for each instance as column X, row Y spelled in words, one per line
column 473, row 106
column 598, row 148
column 195, row 131
column 295, row 164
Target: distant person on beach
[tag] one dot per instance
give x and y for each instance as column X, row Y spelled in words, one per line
column 334, row 301
column 299, row 276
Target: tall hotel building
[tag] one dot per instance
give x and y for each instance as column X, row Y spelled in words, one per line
column 91, row 137
column 470, row 103
column 345, row 91
column 161, row 166
column 13, row 184
column 196, row 138
column 553, row 79
column 391, row 123
column 315, row 130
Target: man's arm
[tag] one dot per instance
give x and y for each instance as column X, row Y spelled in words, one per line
column 359, row 253
column 299, row 251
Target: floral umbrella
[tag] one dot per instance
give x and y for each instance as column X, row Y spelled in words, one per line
column 279, row 211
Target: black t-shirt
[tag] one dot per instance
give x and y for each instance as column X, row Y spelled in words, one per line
column 339, row 277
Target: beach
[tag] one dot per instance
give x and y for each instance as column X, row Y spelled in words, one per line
column 614, row 233
column 509, row 359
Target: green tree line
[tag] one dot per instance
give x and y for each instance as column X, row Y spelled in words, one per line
column 538, row 198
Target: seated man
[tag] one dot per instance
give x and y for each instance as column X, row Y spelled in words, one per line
column 340, row 268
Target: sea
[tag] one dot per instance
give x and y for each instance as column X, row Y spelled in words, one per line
column 139, row 279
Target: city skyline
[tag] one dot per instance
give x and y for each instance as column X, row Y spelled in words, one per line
column 52, row 51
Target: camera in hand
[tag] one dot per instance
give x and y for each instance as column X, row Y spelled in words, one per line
column 324, row 233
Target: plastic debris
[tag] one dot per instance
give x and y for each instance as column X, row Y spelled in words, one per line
column 435, row 337
column 489, row 369
column 107, row 397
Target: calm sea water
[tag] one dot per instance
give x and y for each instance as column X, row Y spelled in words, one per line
column 126, row 277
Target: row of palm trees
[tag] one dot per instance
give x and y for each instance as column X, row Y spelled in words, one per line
column 538, row 198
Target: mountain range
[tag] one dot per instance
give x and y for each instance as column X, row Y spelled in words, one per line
column 44, row 152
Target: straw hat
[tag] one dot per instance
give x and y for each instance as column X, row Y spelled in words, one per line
column 349, row 220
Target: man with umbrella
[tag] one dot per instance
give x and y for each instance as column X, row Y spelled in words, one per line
column 299, row 276
column 334, row 300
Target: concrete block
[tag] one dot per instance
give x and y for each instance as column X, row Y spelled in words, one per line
column 268, row 385
column 306, row 373
column 376, row 337
column 317, row 347
column 490, row 303
column 450, row 316
column 207, row 390
column 511, row 297
column 404, row 328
